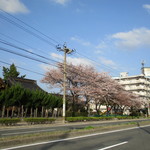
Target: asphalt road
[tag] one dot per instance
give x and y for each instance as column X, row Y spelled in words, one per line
column 33, row 129
column 137, row 138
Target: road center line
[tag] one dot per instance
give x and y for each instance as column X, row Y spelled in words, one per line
column 113, row 145
column 27, row 132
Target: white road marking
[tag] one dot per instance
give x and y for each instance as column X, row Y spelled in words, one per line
column 78, row 137
column 113, row 145
column 27, row 132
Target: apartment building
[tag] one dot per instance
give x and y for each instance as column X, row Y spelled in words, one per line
column 138, row 84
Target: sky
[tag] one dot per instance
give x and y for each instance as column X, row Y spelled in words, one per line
column 111, row 35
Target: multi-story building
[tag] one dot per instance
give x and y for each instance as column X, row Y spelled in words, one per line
column 138, row 84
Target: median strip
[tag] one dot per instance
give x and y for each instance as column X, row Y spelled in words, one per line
column 16, row 133
column 72, row 138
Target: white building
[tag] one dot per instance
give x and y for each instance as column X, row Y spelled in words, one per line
column 139, row 84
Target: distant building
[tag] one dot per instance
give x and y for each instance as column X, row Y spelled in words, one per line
column 26, row 83
column 138, row 84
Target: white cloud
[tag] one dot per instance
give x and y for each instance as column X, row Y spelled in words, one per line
column 13, row 6
column 74, row 61
column 57, row 56
column 81, row 41
column 61, row 2
column 60, row 58
column 132, row 39
column 147, row 7
column 46, row 67
column 100, row 47
column 108, row 62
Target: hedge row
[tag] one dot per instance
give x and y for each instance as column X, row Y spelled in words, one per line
column 14, row 121
column 8, row 121
column 39, row 120
column 80, row 119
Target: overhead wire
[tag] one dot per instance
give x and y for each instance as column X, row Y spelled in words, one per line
column 25, row 50
column 30, row 26
column 41, row 38
column 23, row 68
column 22, row 43
column 25, row 56
column 26, row 30
column 97, row 63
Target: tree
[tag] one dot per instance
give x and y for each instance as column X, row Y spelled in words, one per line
column 84, row 83
column 81, row 82
column 11, row 72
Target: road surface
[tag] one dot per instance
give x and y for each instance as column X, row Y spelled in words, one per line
column 34, row 129
column 137, row 138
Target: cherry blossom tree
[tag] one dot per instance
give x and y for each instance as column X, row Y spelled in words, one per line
column 84, row 83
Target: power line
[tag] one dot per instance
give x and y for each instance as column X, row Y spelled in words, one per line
column 25, row 56
column 25, row 50
column 26, row 30
column 22, row 43
column 41, row 38
column 112, row 69
column 30, row 26
column 23, row 68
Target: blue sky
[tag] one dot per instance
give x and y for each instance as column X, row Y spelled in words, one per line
column 111, row 35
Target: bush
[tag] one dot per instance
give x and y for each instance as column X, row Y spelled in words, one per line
column 80, row 119
column 9, row 121
column 39, row 120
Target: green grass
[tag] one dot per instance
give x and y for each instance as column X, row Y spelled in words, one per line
column 89, row 127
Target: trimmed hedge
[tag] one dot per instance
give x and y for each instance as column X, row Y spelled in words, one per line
column 39, row 120
column 9, row 121
column 81, row 119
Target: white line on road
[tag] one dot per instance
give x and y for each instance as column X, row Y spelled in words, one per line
column 78, row 137
column 27, row 132
column 113, row 146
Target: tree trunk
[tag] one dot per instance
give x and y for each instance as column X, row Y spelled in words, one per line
column 26, row 110
column 31, row 113
column 3, row 112
column 18, row 111
column 22, row 112
column 42, row 115
column 97, row 109
column 12, row 114
column 73, row 107
column 46, row 113
column 36, row 112
column 7, row 112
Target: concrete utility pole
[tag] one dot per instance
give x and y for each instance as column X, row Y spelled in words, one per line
column 66, row 51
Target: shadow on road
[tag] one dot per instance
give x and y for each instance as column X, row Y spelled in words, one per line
column 57, row 145
column 147, row 131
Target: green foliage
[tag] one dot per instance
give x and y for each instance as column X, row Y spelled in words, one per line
column 89, row 127
column 12, row 96
column 17, row 96
column 10, row 72
column 39, row 120
column 81, row 119
column 9, row 121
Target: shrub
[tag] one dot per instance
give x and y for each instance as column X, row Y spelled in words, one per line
column 9, row 121
column 80, row 119
column 39, row 120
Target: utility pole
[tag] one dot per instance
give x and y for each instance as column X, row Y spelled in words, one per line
column 66, row 51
